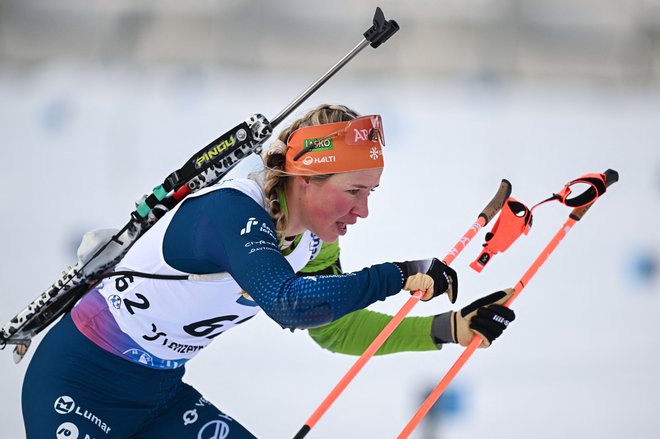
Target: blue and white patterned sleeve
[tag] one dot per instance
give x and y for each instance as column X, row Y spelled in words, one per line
column 226, row 230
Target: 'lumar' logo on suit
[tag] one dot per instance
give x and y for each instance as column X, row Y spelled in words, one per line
column 65, row 405
column 215, row 151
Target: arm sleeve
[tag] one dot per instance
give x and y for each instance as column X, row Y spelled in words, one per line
column 353, row 333
column 226, row 230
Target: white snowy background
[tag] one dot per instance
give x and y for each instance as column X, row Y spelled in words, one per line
column 80, row 141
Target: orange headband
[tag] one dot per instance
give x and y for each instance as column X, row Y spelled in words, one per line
column 331, row 148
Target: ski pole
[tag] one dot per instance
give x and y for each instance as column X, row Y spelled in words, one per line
column 491, row 209
column 576, row 215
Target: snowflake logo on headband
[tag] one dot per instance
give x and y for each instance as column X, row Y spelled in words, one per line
column 374, row 153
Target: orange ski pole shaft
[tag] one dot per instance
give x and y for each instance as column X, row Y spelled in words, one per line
column 493, row 207
column 477, row 339
column 575, row 216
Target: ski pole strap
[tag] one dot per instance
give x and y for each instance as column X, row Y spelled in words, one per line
column 609, row 177
column 590, row 187
column 382, row 29
column 595, row 188
column 514, row 220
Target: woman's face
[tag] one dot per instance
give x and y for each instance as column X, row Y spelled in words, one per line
column 328, row 206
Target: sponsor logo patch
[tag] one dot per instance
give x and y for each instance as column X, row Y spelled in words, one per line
column 248, row 227
column 65, row 405
column 190, row 417
column 67, row 430
column 115, row 301
column 319, row 144
column 325, row 159
column 214, row 430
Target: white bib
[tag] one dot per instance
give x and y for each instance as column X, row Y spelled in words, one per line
column 174, row 319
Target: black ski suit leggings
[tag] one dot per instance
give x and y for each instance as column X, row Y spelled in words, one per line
column 73, row 389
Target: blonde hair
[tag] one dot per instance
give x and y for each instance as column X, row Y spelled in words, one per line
column 275, row 178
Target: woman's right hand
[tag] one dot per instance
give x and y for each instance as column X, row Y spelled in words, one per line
column 431, row 276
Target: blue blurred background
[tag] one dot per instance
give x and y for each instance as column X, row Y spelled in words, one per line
column 99, row 101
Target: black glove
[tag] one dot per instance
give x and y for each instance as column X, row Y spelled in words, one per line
column 431, row 276
column 487, row 316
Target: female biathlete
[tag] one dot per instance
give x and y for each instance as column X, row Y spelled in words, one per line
column 113, row 366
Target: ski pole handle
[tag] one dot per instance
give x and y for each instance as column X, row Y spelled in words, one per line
column 484, row 217
column 611, row 177
column 495, row 205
